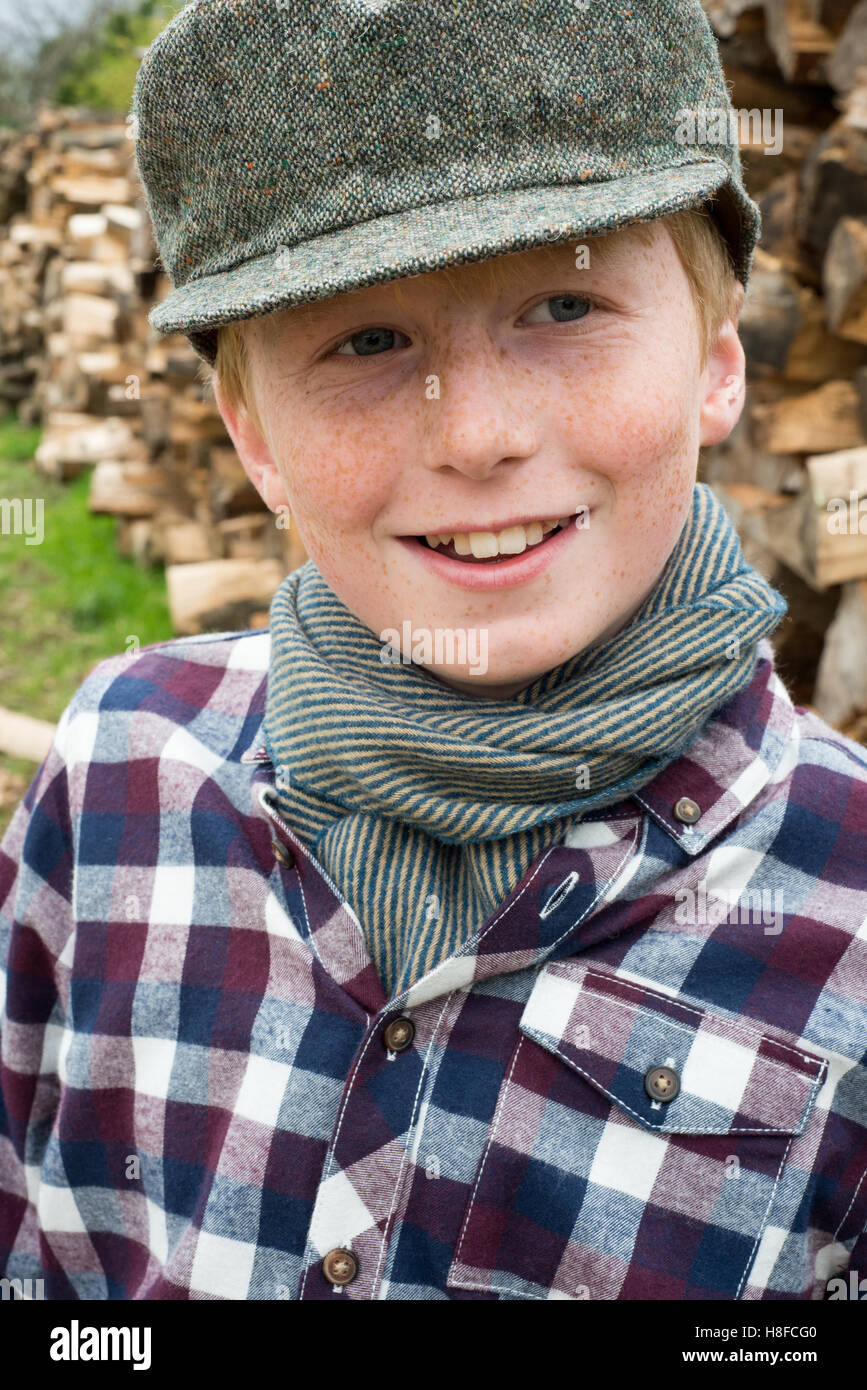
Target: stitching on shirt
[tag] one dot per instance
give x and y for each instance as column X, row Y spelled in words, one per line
column 561, row 892
column 851, row 1204
column 464, row 954
column 299, row 848
column 672, row 829
column 315, row 1224
column 622, row 1105
column 455, row 1282
column 687, row 1028
column 630, row 850
column 764, row 1220
column 405, row 1159
column 311, row 936
column 492, row 1131
column 707, row 1013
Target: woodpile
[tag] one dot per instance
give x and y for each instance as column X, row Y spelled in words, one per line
column 793, row 473
column 78, row 275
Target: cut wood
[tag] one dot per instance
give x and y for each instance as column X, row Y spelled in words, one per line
column 129, row 489
column 841, row 680
column 826, row 419
column 72, row 443
column 21, row 736
column 800, row 43
column 844, row 276
column 820, row 545
column 206, row 596
column 837, row 475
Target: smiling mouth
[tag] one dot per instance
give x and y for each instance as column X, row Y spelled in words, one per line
column 489, row 547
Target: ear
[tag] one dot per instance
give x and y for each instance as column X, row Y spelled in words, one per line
column 723, row 383
column 253, row 451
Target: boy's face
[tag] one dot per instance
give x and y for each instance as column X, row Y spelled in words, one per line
column 390, row 417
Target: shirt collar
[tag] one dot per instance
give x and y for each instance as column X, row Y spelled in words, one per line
column 728, row 763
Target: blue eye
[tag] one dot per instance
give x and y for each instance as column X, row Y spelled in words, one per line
column 370, row 342
column 567, row 313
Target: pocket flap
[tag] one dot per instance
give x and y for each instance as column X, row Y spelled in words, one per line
column 735, row 1077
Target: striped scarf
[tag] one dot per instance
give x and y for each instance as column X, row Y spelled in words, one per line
column 425, row 806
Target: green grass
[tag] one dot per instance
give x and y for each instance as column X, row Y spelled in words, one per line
column 70, row 601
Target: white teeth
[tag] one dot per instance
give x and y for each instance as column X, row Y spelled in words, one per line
column 484, row 545
column 513, row 541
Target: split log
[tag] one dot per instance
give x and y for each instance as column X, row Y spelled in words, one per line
column 826, row 419
column 844, row 276
column 822, row 544
column 841, row 680
column 801, row 45
column 130, row 489
column 783, row 328
column 220, row 594
column 243, row 537
column 74, row 442
column 24, row 737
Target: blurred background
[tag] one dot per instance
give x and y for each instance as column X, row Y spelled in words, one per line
column 149, row 527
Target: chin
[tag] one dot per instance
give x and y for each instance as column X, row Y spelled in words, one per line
column 496, row 683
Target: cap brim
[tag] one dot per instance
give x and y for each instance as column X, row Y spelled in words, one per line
column 425, row 239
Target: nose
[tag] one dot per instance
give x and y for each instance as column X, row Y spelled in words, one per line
column 480, row 416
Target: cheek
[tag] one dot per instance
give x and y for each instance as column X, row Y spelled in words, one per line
column 643, row 436
column 644, row 443
column 338, row 480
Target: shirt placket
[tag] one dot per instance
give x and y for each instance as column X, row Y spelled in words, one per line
column 378, row 1130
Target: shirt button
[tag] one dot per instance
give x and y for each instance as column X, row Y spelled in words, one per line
column 687, row 810
column 340, row 1266
column 661, row 1083
column 284, row 854
column 398, row 1034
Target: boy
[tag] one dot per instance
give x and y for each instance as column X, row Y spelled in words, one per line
column 493, row 926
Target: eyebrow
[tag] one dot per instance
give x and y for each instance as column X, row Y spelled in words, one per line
column 607, row 247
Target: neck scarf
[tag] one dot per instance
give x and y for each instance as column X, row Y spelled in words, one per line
column 425, row 806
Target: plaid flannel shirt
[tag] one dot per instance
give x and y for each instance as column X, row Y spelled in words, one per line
column 202, row 1095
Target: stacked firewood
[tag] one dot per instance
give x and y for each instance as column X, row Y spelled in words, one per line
column 793, row 473
column 78, row 274
column 24, row 254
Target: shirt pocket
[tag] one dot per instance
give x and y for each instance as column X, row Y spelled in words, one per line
column 589, row 1188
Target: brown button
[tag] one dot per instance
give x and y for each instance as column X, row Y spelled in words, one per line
column 687, row 810
column 340, row 1266
column 284, row 854
column 662, row 1083
column 398, row 1034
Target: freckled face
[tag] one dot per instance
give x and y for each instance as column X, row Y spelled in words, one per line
column 550, row 390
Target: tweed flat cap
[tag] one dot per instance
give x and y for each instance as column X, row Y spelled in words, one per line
column 291, row 150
